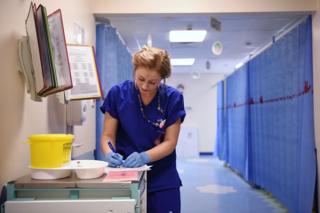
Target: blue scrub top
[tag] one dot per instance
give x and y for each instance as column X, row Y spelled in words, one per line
column 135, row 134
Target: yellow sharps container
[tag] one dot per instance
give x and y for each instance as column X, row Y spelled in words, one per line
column 50, row 150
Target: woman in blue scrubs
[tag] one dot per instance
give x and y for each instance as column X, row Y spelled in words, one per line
column 142, row 121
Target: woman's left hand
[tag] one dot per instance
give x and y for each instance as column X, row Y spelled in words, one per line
column 136, row 160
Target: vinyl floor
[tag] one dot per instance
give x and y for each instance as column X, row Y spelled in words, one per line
column 209, row 186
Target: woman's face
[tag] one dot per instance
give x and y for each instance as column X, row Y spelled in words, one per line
column 147, row 80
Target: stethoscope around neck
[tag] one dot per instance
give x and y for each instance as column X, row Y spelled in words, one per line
column 160, row 122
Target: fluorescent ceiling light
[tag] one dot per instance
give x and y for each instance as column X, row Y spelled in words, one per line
column 240, row 64
column 182, row 61
column 187, row 35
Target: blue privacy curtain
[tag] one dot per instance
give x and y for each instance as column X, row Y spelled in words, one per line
column 281, row 119
column 114, row 63
column 271, row 133
column 237, row 121
column 221, row 141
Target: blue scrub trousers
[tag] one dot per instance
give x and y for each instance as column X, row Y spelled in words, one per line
column 165, row 201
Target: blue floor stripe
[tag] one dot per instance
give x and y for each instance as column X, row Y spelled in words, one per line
column 206, row 153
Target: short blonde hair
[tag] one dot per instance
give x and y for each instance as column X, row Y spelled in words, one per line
column 153, row 58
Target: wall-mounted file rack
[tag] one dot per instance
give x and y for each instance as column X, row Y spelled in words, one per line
column 43, row 54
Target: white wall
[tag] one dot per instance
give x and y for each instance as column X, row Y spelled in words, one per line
column 200, row 99
column 20, row 116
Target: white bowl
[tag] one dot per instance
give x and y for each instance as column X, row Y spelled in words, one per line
column 88, row 169
column 50, row 173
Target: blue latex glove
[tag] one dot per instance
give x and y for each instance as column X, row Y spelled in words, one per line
column 114, row 159
column 136, row 160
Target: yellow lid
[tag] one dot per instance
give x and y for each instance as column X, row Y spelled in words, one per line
column 51, row 137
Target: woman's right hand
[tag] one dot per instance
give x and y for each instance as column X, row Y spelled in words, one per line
column 114, row 159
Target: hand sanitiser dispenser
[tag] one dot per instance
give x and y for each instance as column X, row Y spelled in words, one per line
column 76, row 112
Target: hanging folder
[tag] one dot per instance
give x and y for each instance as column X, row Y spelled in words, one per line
column 34, row 49
column 45, row 53
column 59, row 47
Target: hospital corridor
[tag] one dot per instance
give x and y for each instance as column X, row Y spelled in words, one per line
column 149, row 106
column 210, row 186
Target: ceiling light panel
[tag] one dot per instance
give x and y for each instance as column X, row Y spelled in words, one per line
column 187, row 35
column 182, row 61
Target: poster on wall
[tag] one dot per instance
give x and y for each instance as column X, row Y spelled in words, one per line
column 84, row 73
